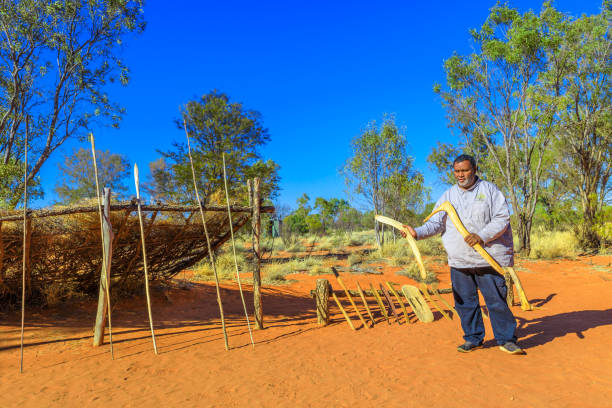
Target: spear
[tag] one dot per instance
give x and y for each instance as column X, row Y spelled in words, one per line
column 210, row 254
column 229, row 215
column 25, row 211
column 104, row 259
column 144, row 256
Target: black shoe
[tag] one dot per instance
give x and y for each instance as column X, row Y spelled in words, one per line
column 467, row 347
column 511, row 348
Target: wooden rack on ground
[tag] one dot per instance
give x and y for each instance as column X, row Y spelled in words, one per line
column 324, row 291
column 63, row 246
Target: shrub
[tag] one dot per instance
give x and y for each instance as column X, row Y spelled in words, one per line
column 412, row 271
column 553, row 244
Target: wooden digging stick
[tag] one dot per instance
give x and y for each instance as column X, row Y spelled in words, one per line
column 390, row 302
column 210, row 253
column 365, row 303
column 229, row 215
column 348, row 295
column 348, row 319
column 106, row 274
column 25, row 212
column 392, row 289
column 436, row 292
column 381, row 305
column 452, row 214
column 144, row 256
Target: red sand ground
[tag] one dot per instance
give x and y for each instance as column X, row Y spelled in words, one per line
column 297, row 363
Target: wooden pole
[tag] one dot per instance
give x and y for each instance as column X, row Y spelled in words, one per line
column 211, row 256
column 348, row 295
column 392, row 289
column 25, row 244
column 104, row 305
column 322, row 301
column 104, row 294
column 144, row 257
column 229, row 216
column 365, row 303
column 256, row 222
column 510, row 289
column 381, row 305
column 346, row 316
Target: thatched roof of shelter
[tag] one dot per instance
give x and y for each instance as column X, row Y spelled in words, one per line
column 65, row 255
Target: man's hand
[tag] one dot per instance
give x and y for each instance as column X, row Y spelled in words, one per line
column 411, row 230
column 473, row 239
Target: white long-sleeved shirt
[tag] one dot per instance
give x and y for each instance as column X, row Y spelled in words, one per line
column 484, row 211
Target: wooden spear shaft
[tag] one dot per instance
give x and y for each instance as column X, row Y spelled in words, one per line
column 348, row 295
column 104, row 259
column 231, row 225
column 365, row 303
column 210, row 253
column 23, row 269
column 144, row 257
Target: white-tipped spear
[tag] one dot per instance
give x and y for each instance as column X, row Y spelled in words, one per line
column 229, row 215
column 210, row 253
column 25, row 211
column 144, row 256
column 104, row 260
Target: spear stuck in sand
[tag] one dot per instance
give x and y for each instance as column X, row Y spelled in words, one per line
column 25, row 212
column 365, row 303
column 210, row 253
column 348, row 295
column 106, row 272
column 229, row 215
column 144, row 256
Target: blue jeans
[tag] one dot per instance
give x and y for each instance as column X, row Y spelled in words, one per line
column 492, row 285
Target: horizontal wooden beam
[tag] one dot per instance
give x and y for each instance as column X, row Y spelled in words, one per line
column 131, row 206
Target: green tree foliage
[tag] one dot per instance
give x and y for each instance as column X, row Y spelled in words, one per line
column 492, row 97
column 216, row 126
column 329, row 210
column 296, row 221
column 381, row 172
column 77, row 178
column 56, row 60
column 578, row 82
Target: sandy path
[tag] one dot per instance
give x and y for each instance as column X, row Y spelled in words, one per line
column 297, row 363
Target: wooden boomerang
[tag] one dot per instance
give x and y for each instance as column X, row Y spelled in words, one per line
column 417, row 303
column 411, row 241
column 417, row 257
column 450, row 211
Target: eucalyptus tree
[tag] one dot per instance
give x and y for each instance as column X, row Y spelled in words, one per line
column 76, row 179
column 578, row 82
column 57, row 60
column 491, row 97
column 381, row 171
column 216, row 126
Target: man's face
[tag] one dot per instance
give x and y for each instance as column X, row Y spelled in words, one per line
column 465, row 174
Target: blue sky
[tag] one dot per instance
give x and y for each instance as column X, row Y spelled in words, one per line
column 318, row 72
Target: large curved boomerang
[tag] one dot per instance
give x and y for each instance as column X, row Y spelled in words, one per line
column 450, row 211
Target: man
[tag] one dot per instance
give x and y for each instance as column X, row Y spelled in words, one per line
column 483, row 210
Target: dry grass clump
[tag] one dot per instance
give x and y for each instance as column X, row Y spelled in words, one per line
column 354, row 259
column 431, row 246
column 226, row 269
column 553, row 244
column 412, row 271
column 296, row 247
